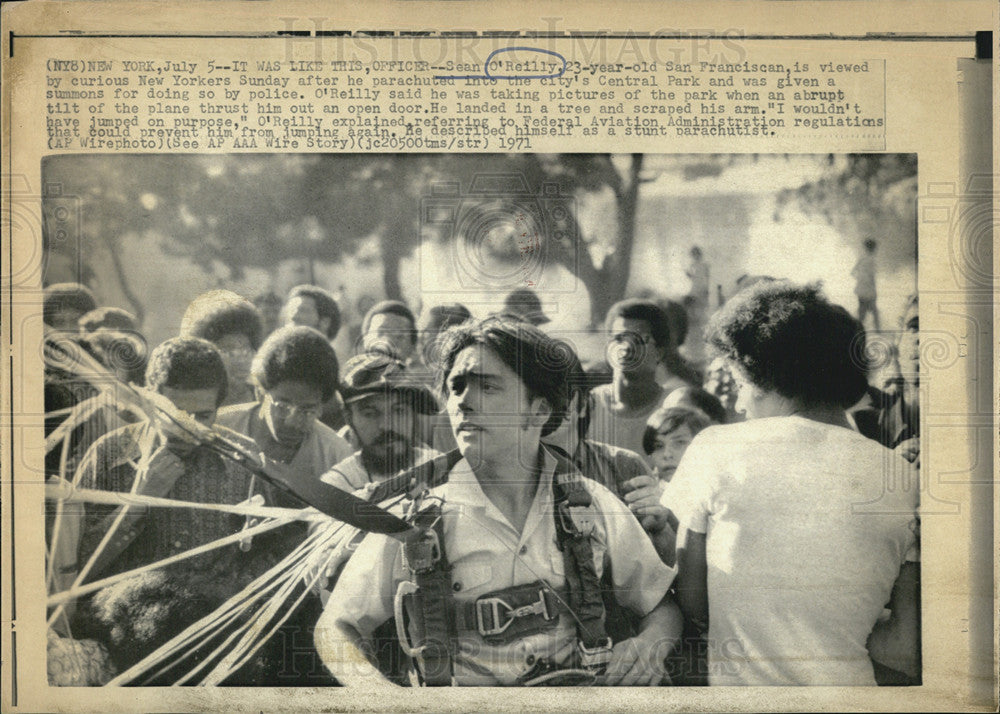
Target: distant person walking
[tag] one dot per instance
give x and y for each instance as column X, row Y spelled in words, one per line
column 864, row 284
column 698, row 273
column 696, row 303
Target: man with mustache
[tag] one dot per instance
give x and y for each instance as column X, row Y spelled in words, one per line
column 381, row 404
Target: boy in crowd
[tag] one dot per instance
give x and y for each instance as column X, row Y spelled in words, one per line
column 294, row 373
column 233, row 325
column 135, row 616
column 669, row 431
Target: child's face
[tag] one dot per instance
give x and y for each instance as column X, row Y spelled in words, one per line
column 668, row 449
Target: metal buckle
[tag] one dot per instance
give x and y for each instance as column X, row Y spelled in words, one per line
column 424, row 554
column 595, row 658
column 578, row 521
column 539, row 607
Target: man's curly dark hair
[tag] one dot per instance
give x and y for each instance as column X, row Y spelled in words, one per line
column 297, row 354
column 218, row 313
column 392, row 307
column 543, row 364
column 791, row 340
column 124, row 352
column 187, row 363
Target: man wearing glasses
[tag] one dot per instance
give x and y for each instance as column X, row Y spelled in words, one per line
column 294, row 373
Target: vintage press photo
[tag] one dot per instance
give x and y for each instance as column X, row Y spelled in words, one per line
column 465, row 229
column 719, row 315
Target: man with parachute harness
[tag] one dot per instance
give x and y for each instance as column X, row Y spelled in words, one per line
column 498, row 581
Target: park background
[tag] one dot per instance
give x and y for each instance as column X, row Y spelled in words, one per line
column 149, row 232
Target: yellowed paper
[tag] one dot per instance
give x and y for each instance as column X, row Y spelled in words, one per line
column 738, row 96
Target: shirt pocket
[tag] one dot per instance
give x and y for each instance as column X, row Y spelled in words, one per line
column 473, row 577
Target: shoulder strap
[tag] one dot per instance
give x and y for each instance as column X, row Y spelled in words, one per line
column 574, row 514
column 426, row 560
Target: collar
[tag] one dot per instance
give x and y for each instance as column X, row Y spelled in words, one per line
column 462, row 488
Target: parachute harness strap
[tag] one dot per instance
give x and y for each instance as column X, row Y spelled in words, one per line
column 575, row 525
column 432, row 606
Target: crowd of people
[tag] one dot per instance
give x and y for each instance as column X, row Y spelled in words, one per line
column 646, row 519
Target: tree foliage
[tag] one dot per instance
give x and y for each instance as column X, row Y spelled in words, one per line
column 864, row 196
column 245, row 211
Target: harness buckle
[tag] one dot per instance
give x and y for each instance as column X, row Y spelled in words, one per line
column 424, row 552
column 595, row 658
column 577, row 521
column 494, row 614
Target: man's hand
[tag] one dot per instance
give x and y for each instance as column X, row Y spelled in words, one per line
column 642, row 494
column 162, row 471
column 635, row 663
column 910, row 450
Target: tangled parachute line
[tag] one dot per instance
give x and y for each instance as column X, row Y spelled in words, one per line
column 220, row 643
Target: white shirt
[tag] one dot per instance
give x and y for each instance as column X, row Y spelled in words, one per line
column 806, row 525
column 487, row 554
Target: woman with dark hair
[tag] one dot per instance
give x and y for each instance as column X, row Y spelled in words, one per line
column 792, row 541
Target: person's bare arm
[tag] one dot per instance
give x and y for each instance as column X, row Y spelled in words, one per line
column 347, row 654
column 640, row 660
column 692, row 578
column 895, row 642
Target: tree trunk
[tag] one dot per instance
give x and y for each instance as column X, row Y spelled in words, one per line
column 137, row 307
column 607, row 285
column 621, row 264
column 390, row 265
